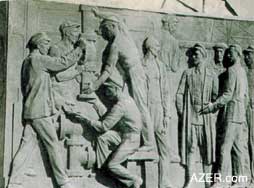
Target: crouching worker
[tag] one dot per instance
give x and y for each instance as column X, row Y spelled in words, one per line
column 120, row 127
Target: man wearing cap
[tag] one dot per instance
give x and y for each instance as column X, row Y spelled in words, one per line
column 217, row 66
column 38, row 101
column 198, row 87
column 62, row 81
column 249, row 61
column 121, row 63
column 170, row 51
column 120, row 128
column 235, row 97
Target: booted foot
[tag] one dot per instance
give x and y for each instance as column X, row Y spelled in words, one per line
column 137, row 182
column 146, row 148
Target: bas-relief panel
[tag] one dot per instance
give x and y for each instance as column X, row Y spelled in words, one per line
column 189, row 30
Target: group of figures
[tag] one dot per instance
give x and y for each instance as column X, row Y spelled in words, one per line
column 138, row 91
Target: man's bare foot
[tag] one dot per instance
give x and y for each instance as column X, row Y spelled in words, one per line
column 137, row 182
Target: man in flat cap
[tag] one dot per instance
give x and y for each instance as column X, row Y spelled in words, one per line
column 249, row 61
column 121, row 63
column 38, row 101
column 64, row 85
column 217, row 66
column 198, row 87
column 120, row 128
column 235, row 97
column 219, row 50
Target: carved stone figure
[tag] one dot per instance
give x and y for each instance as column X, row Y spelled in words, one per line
column 249, row 60
column 39, row 106
column 120, row 127
column 217, row 66
column 122, row 65
column 158, row 105
column 89, row 73
column 62, row 81
column 170, row 52
column 235, row 97
column 197, row 88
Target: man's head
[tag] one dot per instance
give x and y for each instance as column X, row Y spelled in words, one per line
column 70, row 31
column 169, row 23
column 39, row 41
column 198, row 54
column 109, row 27
column 249, row 56
column 232, row 55
column 219, row 50
column 151, row 45
column 112, row 90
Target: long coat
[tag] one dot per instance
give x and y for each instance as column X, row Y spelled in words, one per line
column 183, row 103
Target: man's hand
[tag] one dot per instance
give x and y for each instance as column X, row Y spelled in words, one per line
column 91, row 87
column 81, row 43
column 207, row 109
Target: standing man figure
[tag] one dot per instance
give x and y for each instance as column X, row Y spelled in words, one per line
column 121, row 63
column 197, row 88
column 235, row 97
column 158, row 105
column 249, row 61
column 120, row 127
column 39, row 105
column 170, row 51
column 62, row 81
column 219, row 69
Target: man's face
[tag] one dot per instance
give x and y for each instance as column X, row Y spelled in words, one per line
column 249, row 58
column 110, row 92
column 108, row 31
column 44, row 46
column 73, row 34
column 170, row 25
column 218, row 55
column 197, row 57
column 232, row 55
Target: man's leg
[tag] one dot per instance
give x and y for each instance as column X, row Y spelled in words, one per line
column 164, row 159
column 138, row 92
column 46, row 131
column 191, row 160
column 129, row 145
column 239, row 150
column 22, row 157
column 225, row 154
column 105, row 143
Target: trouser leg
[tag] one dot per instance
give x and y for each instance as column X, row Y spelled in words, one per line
column 105, row 142
column 225, row 155
column 46, row 131
column 128, row 146
column 164, row 159
column 137, row 85
column 238, row 148
column 23, row 155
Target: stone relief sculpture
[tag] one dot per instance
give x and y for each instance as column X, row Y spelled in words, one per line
column 158, row 105
column 39, row 104
column 248, row 58
column 235, row 96
column 120, row 128
column 122, row 64
column 125, row 141
column 198, row 87
column 170, row 51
